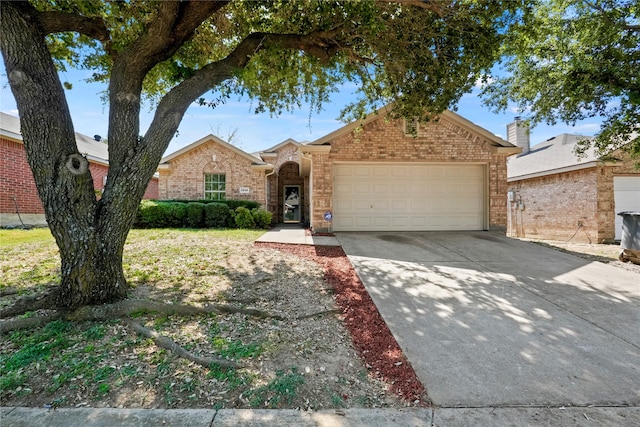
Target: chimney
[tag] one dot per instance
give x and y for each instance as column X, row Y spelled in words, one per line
column 518, row 134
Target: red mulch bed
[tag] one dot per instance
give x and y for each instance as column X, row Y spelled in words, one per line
column 371, row 336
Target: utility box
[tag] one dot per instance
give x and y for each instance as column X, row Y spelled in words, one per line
column 630, row 241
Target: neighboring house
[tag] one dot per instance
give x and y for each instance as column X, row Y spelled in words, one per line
column 376, row 174
column 19, row 200
column 555, row 195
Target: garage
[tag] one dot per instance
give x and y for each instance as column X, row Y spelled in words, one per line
column 409, row 197
column 626, row 194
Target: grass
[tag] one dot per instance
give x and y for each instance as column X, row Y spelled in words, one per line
column 68, row 357
column 13, row 237
column 279, row 392
column 105, row 364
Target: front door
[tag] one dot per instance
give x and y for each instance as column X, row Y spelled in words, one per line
column 291, row 203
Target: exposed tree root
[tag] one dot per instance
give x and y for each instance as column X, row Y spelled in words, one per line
column 122, row 310
column 20, row 323
column 8, row 291
column 45, row 300
column 118, row 310
column 167, row 343
column 126, row 307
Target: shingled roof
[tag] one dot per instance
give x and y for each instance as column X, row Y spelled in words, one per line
column 97, row 152
column 552, row 156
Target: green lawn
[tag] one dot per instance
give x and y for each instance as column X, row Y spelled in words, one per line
column 14, row 237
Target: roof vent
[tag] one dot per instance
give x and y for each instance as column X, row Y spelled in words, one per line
column 97, row 138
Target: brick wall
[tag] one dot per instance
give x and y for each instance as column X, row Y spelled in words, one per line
column 554, row 205
column 16, row 180
column 185, row 177
column 551, row 207
column 384, row 140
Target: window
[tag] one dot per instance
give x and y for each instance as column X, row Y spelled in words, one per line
column 411, row 127
column 214, row 186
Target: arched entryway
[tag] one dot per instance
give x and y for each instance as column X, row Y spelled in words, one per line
column 288, row 194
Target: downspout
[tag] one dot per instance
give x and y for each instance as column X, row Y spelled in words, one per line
column 266, row 187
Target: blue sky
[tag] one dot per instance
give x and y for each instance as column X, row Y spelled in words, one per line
column 256, row 132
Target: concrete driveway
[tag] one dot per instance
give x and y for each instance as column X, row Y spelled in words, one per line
column 490, row 321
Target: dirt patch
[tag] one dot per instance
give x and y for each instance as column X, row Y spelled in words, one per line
column 318, row 356
column 371, row 336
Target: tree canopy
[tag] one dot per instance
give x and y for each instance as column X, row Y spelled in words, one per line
column 568, row 60
column 422, row 54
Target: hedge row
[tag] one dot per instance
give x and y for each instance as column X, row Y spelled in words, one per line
column 197, row 214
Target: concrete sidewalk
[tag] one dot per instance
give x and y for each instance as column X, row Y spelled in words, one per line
column 294, row 234
column 410, row 417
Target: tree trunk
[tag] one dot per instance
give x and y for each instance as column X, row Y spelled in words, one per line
column 90, row 233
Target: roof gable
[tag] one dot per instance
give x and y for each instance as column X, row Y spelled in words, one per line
column 282, row 145
column 447, row 115
column 215, row 139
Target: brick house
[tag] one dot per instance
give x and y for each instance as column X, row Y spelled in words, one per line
column 556, row 196
column 376, row 174
column 19, row 200
column 213, row 169
column 401, row 175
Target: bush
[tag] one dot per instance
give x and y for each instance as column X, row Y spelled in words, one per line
column 195, row 214
column 243, row 218
column 261, row 217
column 149, row 215
column 235, row 204
column 175, row 214
column 217, row 215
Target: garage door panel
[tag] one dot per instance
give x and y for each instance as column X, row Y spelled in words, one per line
column 408, row 197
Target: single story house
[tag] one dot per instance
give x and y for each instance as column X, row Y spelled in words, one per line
column 19, row 200
column 555, row 195
column 378, row 174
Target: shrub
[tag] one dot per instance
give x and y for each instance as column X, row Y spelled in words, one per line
column 249, row 204
column 217, row 215
column 195, row 214
column 261, row 217
column 149, row 215
column 243, row 218
column 175, row 213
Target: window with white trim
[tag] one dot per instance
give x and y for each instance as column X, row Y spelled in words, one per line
column 215, row 186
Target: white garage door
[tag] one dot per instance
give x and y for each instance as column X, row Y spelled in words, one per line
column 626, row 193
column 394, row 197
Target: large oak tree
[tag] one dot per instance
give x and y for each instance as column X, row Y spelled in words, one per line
column 569, row 60
column 422, row 54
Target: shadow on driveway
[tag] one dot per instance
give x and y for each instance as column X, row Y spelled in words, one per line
column 487, row 321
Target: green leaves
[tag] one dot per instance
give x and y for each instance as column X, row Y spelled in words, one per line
column 573, row 59
column 424, row 56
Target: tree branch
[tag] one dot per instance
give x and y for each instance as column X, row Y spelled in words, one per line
column 58, row 22
column 433, row 6
column 321, row 44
